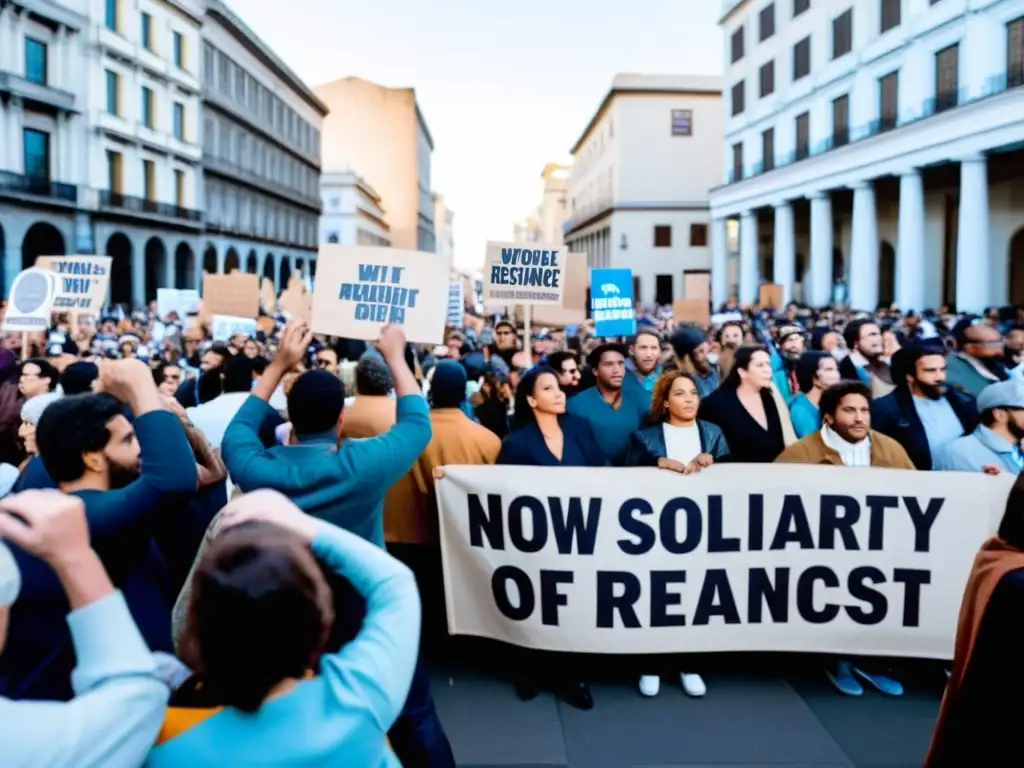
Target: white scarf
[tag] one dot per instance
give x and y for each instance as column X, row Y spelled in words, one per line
column 852, row 454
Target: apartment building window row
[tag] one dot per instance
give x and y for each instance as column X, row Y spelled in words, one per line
column 738, row 98
column 698, row 235
column 178, row 121
column 842, row 34
column 888, row 101
column 890, row 10
column 255, row 215
column 841, row 121
column 662, row 236
column 113, row 87
column 766, row 22
column 36, row 154
column 736, row 45
column 803, row 135
column 767, row 78
column 252, row 96
column 802, row 59
column 768, row 150
column 947, row 78
column 147, row 31
column 111, row 15
column 737, row 161
column 148, row 104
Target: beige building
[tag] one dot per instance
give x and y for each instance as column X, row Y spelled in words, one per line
column 545, row 225
column 444, row 229
column 381, row 131
column 638, row 187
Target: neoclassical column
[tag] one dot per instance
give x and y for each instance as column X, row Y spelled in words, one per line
column 719, row 263
column 864, row 250
column 785, row 250
column 170, row 273
column 910, row 256
column 749, row 288
column 973, row 245
column 819, row 292
column 222, row 256
column 15, row 119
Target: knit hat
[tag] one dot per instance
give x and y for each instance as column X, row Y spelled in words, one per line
column 686, row 338
column 10, row 578
column 315, row 402
column 448, row 385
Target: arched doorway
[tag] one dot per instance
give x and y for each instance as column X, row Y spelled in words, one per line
column 887, row 276
column 1016, row 261
column 42, row 239
column 231, row 262
column 210, row 260
column 119, row 248
column 184, row 266
column 268, row 267
column 251, row 265
column 156, row 265
column 285, row 274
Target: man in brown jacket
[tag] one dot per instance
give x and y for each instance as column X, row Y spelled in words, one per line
column 846, row 437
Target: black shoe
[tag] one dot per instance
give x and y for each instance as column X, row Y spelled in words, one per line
column 577, row 695
column 526, row 690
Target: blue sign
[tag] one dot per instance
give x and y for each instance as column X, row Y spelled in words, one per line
column 612, row 305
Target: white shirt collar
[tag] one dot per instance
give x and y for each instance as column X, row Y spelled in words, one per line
column 852, row 454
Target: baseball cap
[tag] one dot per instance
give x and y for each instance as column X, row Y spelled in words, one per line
column 1003, row 394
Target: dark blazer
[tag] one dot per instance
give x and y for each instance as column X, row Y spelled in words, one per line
column 526, row 446
column 648, row 445
column 894, row 415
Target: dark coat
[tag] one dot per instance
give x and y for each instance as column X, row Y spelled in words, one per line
column 648, row 445
column 894, row 415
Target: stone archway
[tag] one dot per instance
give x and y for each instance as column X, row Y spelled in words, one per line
column 231, row 261
column 1016, row 262
column 285, row 273
column 210, row 259
column 119, row 248
column 42, row 239
column 251, row 263
column 155, row 259
column 184, row 266
column 268, row 267
column 887, row 276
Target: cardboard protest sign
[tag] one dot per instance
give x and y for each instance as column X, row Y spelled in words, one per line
column 524, row 273
column 769, row 296
column 696, row 311
column 237, row 295
column 359, row 289
column 296, row 301
column 611, row 302
column 268, row 296
column 31, row 301
column 182, row 301
column 82, row 282
column 224, row 326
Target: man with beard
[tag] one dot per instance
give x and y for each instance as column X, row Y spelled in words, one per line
column 643, row 365
column 922, row 414
column 791, row 347
column 864, row 340
column 690, row 345
column 566, row 365
column 978, row 361
column 123, row 472
column 995, row 445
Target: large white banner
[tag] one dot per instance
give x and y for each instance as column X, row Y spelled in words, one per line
column 737, row 558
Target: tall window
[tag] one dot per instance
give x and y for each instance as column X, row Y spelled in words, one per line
column 149, row 179
column 799, row 6
column 179, row 188
column 841, row 121
column 114, row 172
column 768, row 150
column 737, row 45
column 698, row 235
column 110, row 16
column 36, row 61
column 147, row 31
column 767, row 78
column 662, row 236
column 682, row 122
column 947, row 78
column 1015, row 53
column 738, row 98
column 178, row 50
column 890, row 15
column 842, row 33
column 148, row 118
column 802, row 59
column 737, row 161
column 37, row 154
column 888, row 101
column 179, row 121
column 803, row 135
column 113, row 93
column 766, row 22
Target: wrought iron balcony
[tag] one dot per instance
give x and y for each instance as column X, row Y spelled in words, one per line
column 38, row 187
column 141, row 205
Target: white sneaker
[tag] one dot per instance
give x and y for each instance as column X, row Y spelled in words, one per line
column 693, row 684
column 650, row 685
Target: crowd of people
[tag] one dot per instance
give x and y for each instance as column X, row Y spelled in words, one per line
column 224, row 552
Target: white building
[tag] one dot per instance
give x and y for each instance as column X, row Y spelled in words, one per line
column 638, row 188
column 873, row 150
column 352, row 211
column 546, row 224
column 99, row 109
column 261, row 156
column 444, row 229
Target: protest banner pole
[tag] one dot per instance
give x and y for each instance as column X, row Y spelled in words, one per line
column 24, row 346
column 528, row 333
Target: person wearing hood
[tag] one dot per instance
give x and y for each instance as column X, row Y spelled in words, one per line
column 690, row 345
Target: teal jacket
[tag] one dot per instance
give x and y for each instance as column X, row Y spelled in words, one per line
column 805, row 415
column 343, row 485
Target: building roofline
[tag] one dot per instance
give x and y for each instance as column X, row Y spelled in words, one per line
column 615, row 91
column 422, row 120
column 252, row 42
column 729, row 7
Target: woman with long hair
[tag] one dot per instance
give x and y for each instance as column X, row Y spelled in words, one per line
column 676, row 440
column 815, row 372
column 749, row 409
